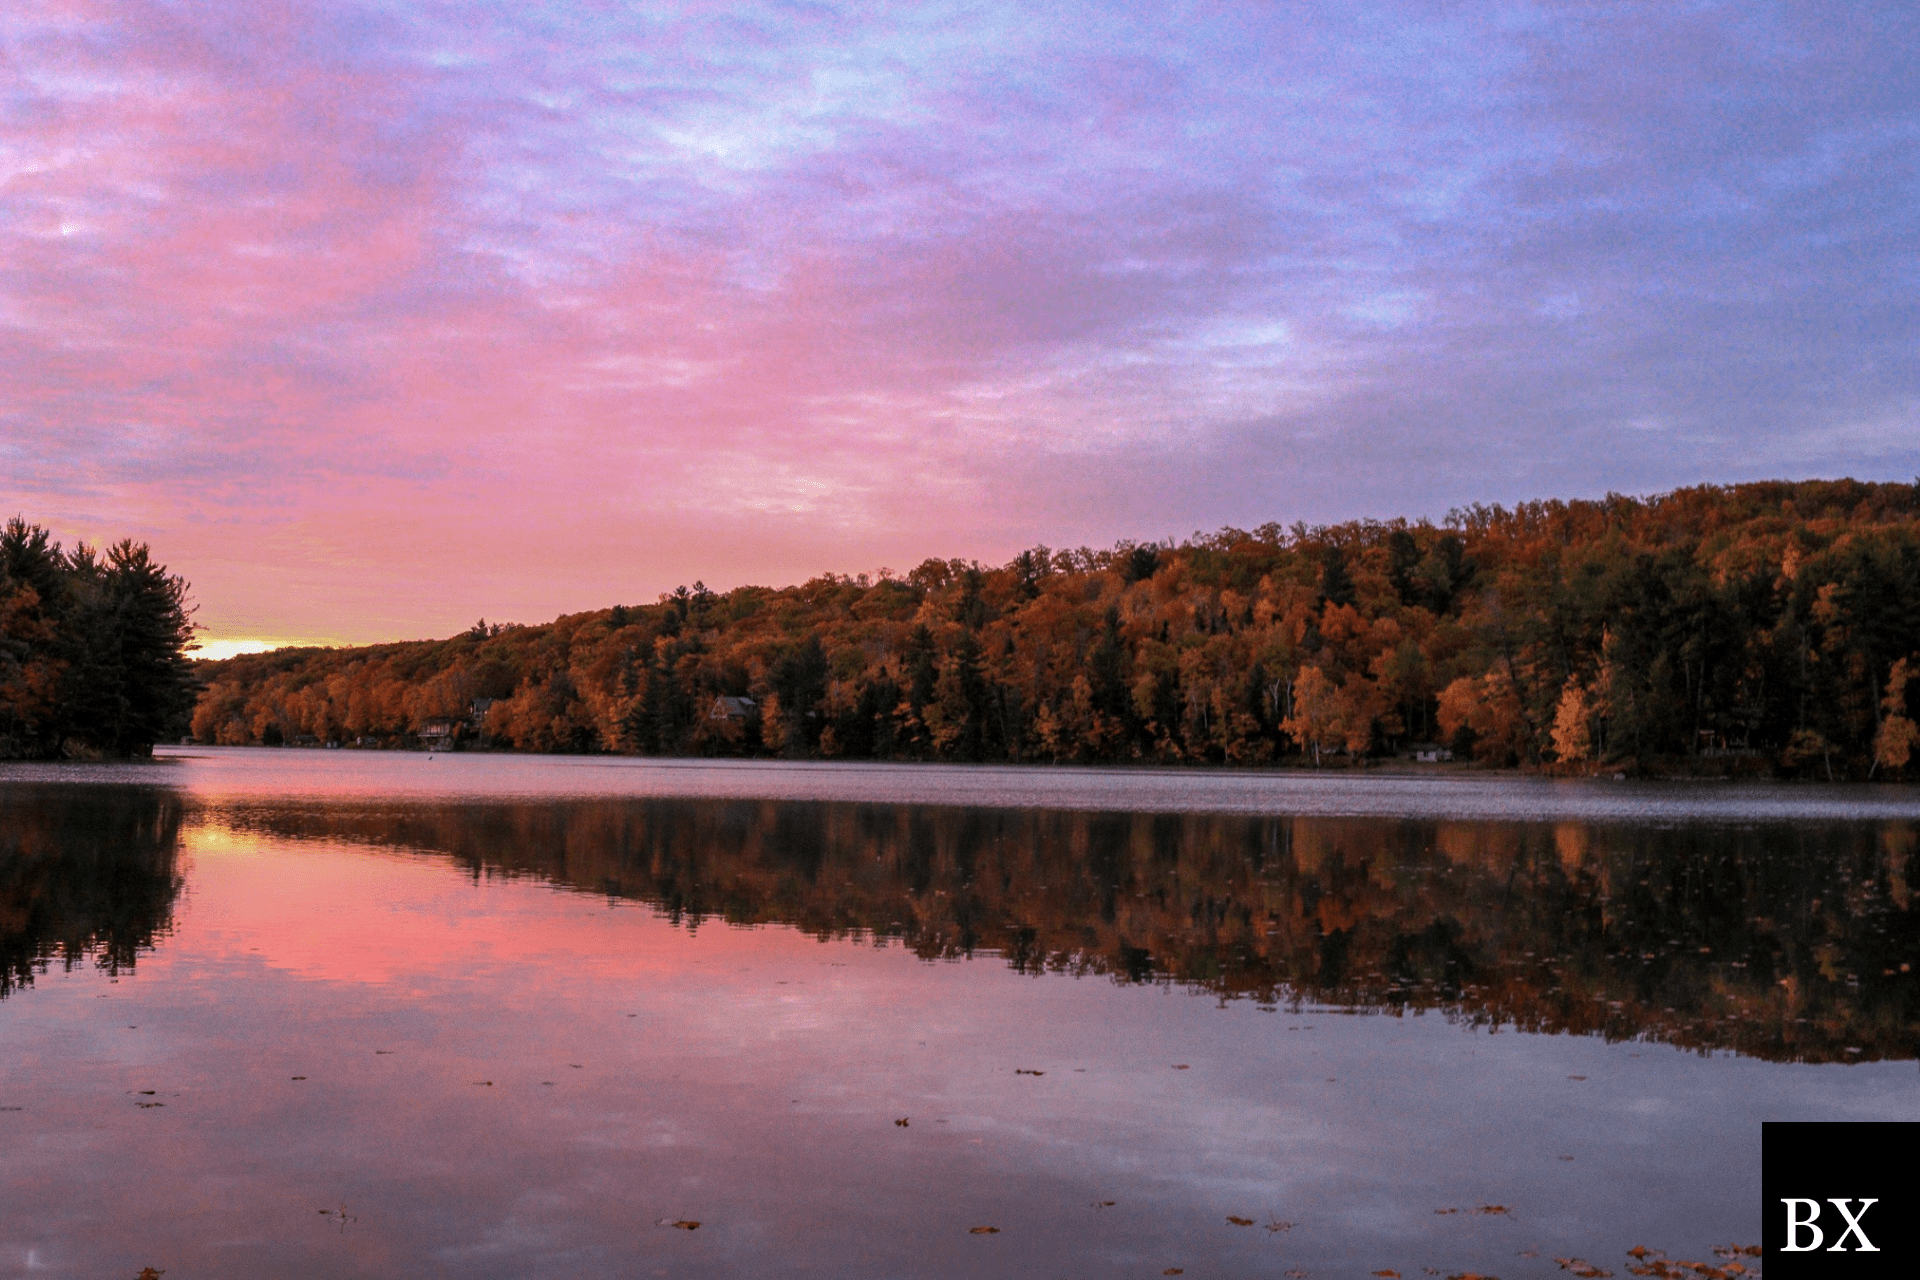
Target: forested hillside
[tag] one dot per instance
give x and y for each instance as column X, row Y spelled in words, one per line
column 92, row 649
column 1754, row 627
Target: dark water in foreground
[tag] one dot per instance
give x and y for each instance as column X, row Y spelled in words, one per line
column 314, row 1014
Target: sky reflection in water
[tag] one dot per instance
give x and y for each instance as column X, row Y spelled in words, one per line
column 533, row 1031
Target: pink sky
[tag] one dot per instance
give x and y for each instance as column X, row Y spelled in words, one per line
column 374, row 319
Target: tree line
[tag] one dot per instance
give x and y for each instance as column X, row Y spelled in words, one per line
column 1770, row 627
column 92, row 649
column 1781, row 941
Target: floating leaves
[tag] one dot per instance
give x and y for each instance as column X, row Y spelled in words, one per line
column 983, row 1231
column 1489, row 1209
column 1174, row 1271
column 1276, row 1226
column 1582, row 1268
column 1655, row 1263
column 901, row 1122
column 150, row 1273
column 1388, row 1275
column 1027, row 1071
column 684, row 1224
column 1239, row 1222
column 1181, row 1066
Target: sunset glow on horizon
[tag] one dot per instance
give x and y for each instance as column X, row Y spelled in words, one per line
column 373, row 319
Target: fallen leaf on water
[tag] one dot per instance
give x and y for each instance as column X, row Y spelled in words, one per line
column 902, row 1122
column 1240, row 1222
column 1470, row 1275
column 1638, row 1251
column 1103, row 1204
column 1446, row 1211
column 149, row 1104
column 685, row 1224
column 983, row 1231
column 1491, row 1208
column 1576, row 1077
column 1295, row 1274
column 1737, row 1250
column 1025, row 1071
column 1174, row 1271
column 1391, row 1275
column 1276, row 1226
column 1181, row 1066
column 299, row 1077
column 150, row 1273
column 487, row 1083
column 1582, row 1268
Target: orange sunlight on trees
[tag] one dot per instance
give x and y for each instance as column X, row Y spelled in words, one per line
column 1752, row 628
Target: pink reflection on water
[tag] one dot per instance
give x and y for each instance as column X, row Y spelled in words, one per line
column 371, row 1064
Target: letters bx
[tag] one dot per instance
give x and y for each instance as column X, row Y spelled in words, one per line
column 1838, row 1200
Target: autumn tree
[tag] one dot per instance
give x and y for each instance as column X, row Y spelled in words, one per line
column 1895, row 740
column 1756, row 622
column 1572, row 725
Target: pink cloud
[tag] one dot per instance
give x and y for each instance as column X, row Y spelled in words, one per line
column 376, row 320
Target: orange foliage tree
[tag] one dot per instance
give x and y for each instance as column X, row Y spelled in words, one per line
column 1754, row 623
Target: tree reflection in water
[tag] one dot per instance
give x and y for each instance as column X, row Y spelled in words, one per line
column 1789, row 942
column 84, row 872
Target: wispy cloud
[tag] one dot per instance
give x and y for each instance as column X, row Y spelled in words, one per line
column 374, row 316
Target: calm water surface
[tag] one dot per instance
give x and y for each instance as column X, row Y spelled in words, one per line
column 284, row 1013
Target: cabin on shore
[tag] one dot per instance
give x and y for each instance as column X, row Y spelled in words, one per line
column 439, row 732
column 725, row 708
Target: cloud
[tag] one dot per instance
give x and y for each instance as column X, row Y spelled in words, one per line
column 375, row 317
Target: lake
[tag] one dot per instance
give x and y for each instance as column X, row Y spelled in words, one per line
column 274, row 1013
